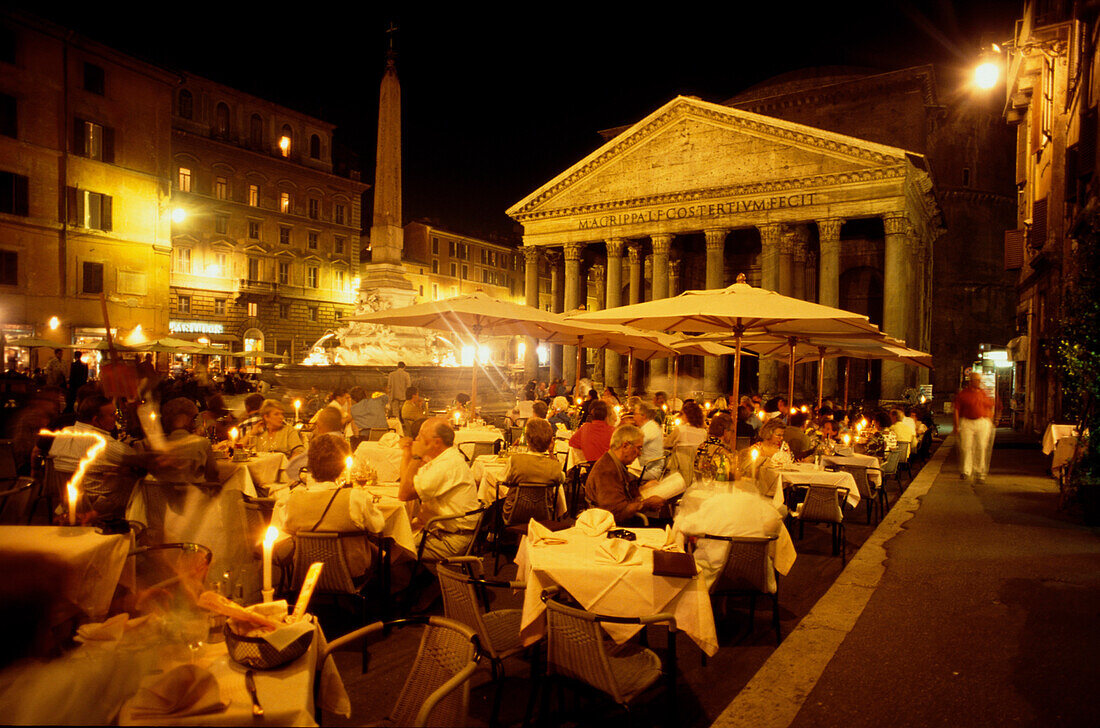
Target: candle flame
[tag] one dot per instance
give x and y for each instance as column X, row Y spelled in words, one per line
column 271, row 536
column 73, row 487
column 234, row 434
column 348, row 462
column 754, row 453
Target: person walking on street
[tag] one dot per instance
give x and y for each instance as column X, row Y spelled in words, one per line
column 974, row 425
column 55, row 372
column 396, row 387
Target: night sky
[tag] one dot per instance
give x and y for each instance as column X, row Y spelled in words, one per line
column 494, row 106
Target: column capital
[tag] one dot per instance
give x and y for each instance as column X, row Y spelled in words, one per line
column 716, row 239
column 674, row 267
column 531, row 254
column 635, row 252
column 574, row 252
column 615, row 247
column 553, row 257
column 596, row 271
column 896, row 223
column 770, row 234
column 829, row 230
column 661, row 242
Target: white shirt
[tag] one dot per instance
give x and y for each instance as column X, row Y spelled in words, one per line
column 362, row 511
column 398, row 383
column 653, row 447
column 446, row 487
column 729, row 514
column 73, row 443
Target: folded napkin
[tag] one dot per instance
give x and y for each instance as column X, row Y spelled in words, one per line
column 617, row 551
column 182, row 691
column 844, row 452
column 390, row 439
column 109, row 631
column 595, row 522
column 540, row 534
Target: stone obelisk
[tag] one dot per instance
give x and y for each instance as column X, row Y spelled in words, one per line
column 384, row 277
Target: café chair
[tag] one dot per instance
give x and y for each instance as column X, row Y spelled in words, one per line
column 258, row 513
column 336, row 579
column 429, row 532
column 436, row 691
column 904, row 460
column 473, row 450
column 574, row 483
column 532, row 501
column 162, row 565
column 465, row 600
column 873, row 494
column 15, row 501
column 748, row 571
column 824, row 504
column 892, row 466
column 577, row 649
column 374, row 434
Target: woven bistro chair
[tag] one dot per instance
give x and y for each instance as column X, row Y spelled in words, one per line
column 436, row 691
column 535, row 501
column 577, row 649
column 891, row 466
column 874, row 495
column 824, row 504
column 748, row 571
column 575, row 480
column 464, row 600
column 904, row 460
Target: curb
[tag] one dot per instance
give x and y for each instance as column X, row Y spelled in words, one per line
column 777, row 691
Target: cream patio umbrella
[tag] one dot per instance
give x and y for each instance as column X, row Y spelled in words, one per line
column 886, row 348
column 475, row 315
column 739, row 310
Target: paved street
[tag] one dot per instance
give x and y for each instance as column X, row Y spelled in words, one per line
column 985, row 614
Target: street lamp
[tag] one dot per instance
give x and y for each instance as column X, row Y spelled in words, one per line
column 178, row 215
column 54, row 323
column 987, row 74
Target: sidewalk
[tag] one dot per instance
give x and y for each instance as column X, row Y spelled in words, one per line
column 971, row 605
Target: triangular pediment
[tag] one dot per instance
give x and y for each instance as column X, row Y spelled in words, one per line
column 689, row 145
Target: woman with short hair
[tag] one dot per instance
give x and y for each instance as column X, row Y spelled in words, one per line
column 273, row 434
column 537, row 466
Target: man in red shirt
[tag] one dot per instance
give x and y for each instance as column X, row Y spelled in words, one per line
column 593, row 437
column 974, row 425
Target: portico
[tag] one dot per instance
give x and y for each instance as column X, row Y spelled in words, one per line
column 705, row 192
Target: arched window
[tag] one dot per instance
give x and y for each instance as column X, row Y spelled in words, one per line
column 256, row 132
column 315, row 147
column 286, row 137
column 186, row 104
column 221, row 118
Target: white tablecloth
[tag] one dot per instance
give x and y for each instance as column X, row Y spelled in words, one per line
column 478, row 434
column 398, row 515
column 612, row 589
column 772, row 480
column 93, row 562
column 1054, row 433
column 386, row 461
column 864, row 461
column 215, row 518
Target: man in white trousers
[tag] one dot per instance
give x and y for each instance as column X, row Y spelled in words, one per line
column 975, row 428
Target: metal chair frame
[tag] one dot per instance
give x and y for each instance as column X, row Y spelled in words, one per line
column 816, row 508
column 745, row 573
column 445, row 661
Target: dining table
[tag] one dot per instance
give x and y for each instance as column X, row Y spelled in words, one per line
column 212, row 515
column 572, row 561
column 384, row 456
column 858, row 460
column 775, row 481
column 93, row 563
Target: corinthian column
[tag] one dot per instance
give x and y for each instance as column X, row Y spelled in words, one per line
column 613, row 372
column 897, row 294
column 596, row 272
column 573, row 254
column 769, row 279
column 557, row 303
column 716, row 278
column 637, row 293
column 674, row 278
column 658, row 368
column 531, row 292
column 828, row 286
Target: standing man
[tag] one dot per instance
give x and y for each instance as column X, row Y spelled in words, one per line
column 55, row 371
column 974, row 425
column 396, row 387
column 78, row 377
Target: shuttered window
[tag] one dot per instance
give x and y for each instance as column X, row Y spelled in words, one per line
column 88, row 209
column 1014, row 249
column 1038, row 225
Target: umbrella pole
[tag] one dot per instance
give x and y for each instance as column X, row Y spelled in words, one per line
column 577, row 378
column 847, row 366
column 473, row 384
column 820, row 374
column 790, row 377
column 675, row 376
column 736, row 401
column 630, row 372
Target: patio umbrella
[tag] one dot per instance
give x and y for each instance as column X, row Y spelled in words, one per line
column 818, row 350
column 738, row 310
column 32, row 342
column 258, row 354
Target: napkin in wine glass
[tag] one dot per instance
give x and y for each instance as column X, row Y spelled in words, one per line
column 595, row 522
column 182, row 691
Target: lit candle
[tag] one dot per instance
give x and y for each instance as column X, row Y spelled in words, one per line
column 579, row 400
column 805, row 408
column 269, row 547
column 753, row 455
column 706, row 405
column 74, row 494
column 618, row 408
column 297, row 407
column 349, row 461
column 664, row 407
column 847, row 439
column 233, row 434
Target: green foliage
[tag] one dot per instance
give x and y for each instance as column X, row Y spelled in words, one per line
column 1078, row 349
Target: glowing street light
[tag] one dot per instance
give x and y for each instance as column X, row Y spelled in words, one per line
column 987, row 74
column 178, row 215
column 284, row 145
column 54, row 323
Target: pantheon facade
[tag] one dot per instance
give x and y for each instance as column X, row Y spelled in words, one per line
column 696, row 193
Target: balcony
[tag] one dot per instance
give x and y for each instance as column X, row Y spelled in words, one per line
column 258, row 291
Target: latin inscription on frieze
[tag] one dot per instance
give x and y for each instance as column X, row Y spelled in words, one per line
column 702, row 211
